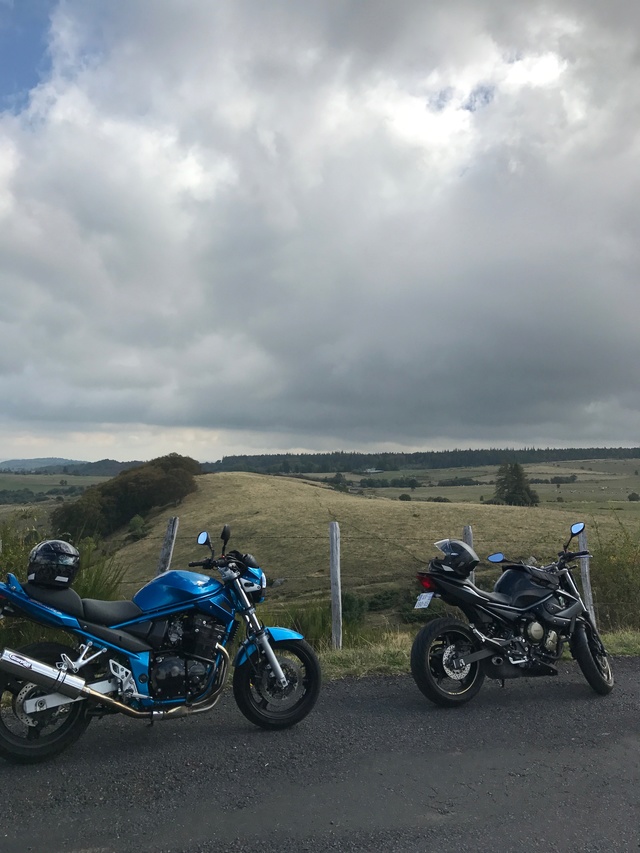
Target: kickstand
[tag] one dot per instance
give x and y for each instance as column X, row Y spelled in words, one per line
column 502, row 683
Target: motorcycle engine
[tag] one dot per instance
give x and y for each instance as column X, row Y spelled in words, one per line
column 182, row 669
column 538, row 634
column 174, row 677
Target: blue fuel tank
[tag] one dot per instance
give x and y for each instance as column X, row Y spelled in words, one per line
column 175, row 588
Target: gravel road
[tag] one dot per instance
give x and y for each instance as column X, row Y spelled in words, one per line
column 544, row 764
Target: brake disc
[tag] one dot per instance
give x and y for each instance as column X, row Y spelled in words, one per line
column 456, row 674
column 18, row 703
column 270, row 688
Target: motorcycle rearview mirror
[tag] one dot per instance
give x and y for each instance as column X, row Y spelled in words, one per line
column 203, row 539
column 498, row 557
column 576, row 528
column 225, row 536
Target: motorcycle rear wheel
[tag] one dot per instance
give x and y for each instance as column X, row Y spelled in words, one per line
column 433, row 646
column 263, row 701
column 30, row 739
column 595, row 667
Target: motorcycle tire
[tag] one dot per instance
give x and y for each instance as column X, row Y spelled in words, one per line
column 29, row 740
column 595, row 667
column 263, row 701
column 429, row 654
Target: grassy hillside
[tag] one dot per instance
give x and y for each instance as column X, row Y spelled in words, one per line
column 600, row 482
column 284, row 523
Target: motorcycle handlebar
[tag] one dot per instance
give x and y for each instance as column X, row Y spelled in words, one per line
column 573, row 555
column 210, row 563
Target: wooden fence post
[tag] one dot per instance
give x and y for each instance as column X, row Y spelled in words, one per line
column 467, row 538
column 336, row 594
column 586, row 575
column 164, row 563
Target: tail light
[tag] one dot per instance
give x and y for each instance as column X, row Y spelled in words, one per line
column 426, row 582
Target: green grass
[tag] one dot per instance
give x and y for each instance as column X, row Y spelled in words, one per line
column 44, row 482
column 389, row 654
column 285, row 524
column 604, row 484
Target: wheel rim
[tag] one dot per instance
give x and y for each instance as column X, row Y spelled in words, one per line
column 602, row 662
column 269, row 697
column 442, row 653
column 32, row 729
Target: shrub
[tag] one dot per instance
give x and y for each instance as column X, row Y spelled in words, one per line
column 105, row 508
column 615, row 578
column 138, row 528
column 384, row 600
column 634, row 496
column 99, row 577
column 404, row 497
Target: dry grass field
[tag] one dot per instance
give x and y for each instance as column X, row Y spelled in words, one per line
column 285, row 524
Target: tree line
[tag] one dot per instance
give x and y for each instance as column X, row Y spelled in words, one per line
column 345, row 461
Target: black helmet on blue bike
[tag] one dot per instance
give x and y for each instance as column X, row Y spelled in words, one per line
column 53, row 563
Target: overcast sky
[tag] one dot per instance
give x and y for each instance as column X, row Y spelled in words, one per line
column 253, row 226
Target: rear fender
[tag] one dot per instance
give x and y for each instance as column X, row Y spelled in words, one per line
column 248, row 647
column 13, row 594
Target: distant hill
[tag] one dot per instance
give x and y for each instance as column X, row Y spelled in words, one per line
column 103, row 468
column 36, row 464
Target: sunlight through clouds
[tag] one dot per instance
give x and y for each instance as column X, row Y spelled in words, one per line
column 300, row 225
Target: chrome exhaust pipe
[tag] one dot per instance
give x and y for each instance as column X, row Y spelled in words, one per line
column 45, row 676
column 58, row 681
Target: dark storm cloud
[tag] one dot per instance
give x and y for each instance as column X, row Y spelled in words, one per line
column 301, row 225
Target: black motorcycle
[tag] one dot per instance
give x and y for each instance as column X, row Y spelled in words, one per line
column 519, row 629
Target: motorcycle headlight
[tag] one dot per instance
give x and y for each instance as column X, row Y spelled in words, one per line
column 254, row 583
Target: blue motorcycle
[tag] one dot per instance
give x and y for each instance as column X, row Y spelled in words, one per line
column 160, row 656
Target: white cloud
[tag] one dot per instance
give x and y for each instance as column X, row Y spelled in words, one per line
column 235, row 225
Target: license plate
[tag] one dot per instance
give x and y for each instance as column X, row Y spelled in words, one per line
column 424, row 600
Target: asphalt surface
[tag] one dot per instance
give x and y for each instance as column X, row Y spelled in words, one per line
column 544, row 764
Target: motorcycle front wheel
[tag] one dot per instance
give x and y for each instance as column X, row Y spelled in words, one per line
column 594, row 665
column 28, row 739
column 263, row 701
column 433, row 654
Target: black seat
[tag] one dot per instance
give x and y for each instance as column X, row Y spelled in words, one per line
column 496, row 597
column 66, row 600
column 110, row 612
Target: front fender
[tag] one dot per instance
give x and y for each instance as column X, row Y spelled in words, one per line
column 248, row 647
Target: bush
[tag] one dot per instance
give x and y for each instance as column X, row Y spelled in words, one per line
column 615, row 579
column 138, row 528
column 353, row 608
column 634, row 496
column 99, row 577
column 404, row 497
column 105, row 508
column 384, row 600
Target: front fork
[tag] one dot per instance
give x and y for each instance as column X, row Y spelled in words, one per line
column 588, row 618
column 259, row 634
